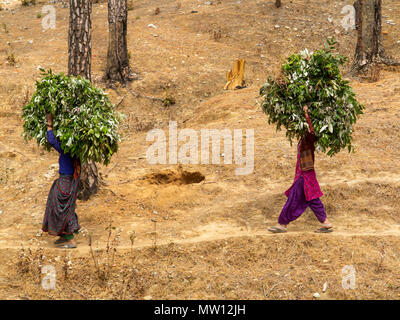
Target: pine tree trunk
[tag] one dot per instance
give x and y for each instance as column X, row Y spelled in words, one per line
column 79, row 38
column 89, row 181
column 369, row 49
column 118, row 68
column 79, row 63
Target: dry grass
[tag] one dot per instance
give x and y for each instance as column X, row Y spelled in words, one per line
column 259, row 268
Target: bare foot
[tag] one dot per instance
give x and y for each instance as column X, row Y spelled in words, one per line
column 326, row 224
column 280, row 228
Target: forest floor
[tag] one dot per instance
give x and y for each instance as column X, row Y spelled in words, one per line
column 176, row 238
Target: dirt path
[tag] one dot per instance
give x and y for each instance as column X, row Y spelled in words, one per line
column 227, row 234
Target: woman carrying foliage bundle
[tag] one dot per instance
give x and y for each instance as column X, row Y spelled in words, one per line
column 60, row 218
column 82, row 126
column 305, row 191
column 313, row 80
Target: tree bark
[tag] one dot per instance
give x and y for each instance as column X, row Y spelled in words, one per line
column 118, row 68
column 369, row 49
column 79, row 38
column 89, row 181
column 79, row 63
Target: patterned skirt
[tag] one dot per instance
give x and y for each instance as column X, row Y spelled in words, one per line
column 60, row 217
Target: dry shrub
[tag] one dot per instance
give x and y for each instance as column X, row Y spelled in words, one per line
column 217, row 35
column 130, row 5
column 111, row 277
column 26, row 3
column 121, row 280
column 30, row 264
column 11, row 59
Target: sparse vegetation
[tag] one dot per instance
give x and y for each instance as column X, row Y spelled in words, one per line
column 5, row 28
column 130, row 5
column 26, row 3
column 11, row 59
column 168, row 100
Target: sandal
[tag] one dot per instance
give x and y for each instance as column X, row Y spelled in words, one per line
column 67, row 246
column 326, row 228
column 60, row 241
column 277, row 229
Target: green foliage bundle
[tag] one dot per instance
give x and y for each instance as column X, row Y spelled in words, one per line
column 84, row 120
column 313, row 79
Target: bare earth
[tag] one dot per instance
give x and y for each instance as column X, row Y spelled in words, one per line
column 204, row 240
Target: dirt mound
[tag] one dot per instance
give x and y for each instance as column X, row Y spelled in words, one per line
column 178, row 177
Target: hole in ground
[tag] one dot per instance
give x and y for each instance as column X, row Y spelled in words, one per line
column 174, row 177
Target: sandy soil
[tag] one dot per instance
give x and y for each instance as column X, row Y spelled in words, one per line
column 208, row 239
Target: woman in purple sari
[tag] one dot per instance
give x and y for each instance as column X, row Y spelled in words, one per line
column 305, row 191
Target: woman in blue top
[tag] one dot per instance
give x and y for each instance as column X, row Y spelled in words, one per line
column 60, row 218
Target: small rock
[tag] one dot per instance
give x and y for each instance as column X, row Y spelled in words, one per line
column 148, row 298
column 325, row 287
column 49, row 174
column 152, row 26
column 316, row 295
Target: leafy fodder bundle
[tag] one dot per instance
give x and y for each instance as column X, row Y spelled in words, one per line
column 313, row 79
column 84, row 120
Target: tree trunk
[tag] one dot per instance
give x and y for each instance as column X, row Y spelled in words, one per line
column 118, row 68
column 89, row 184
column 79, row 63
column 278, row 3
column 79, row 38
column 369, row 49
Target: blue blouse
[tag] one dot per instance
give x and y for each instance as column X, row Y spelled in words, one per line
column 65, row 161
